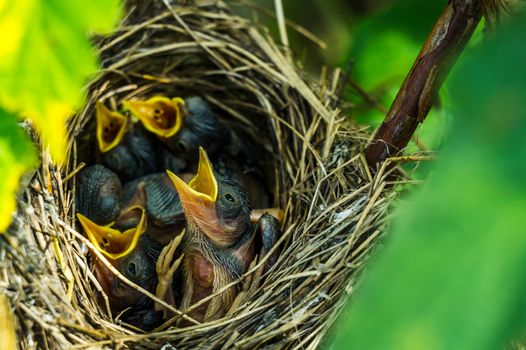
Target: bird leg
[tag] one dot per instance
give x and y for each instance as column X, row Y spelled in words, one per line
column 165, row 271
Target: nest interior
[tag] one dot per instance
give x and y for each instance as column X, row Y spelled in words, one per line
column 311, row 155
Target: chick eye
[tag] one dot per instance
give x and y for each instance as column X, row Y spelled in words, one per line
column 131, row 269
column 229, row 198
column 181, row 146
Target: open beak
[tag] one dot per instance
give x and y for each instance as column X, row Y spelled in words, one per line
column 198, row 197
column 111, row 127
column 111, row 242
column 161, row 115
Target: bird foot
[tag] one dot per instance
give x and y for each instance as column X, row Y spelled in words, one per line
column 165, row 270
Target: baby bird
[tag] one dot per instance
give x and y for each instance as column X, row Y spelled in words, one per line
column 182, row 125
column 141, row 259
column 98, row 194
column 134, row 255
column 139, row 266
column 127, row 149
column 221, row 240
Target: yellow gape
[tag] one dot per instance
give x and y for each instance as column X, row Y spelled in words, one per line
column 204, row 184
column 160, row 115
column 111, row 127
column 111, row 242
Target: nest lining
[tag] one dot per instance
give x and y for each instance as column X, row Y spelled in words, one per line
column 311, row 155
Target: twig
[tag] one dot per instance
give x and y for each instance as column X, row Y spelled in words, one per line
column 420, row 89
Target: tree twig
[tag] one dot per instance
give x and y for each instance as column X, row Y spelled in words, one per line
column 420, row 89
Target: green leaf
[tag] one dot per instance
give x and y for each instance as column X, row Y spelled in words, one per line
column 7, row 331
column 451, row 275
column 17, row 155
column 46, row 57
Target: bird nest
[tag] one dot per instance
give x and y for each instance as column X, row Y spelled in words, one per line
column 310, row 154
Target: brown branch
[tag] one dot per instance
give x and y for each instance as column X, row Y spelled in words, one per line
column 420, row 89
